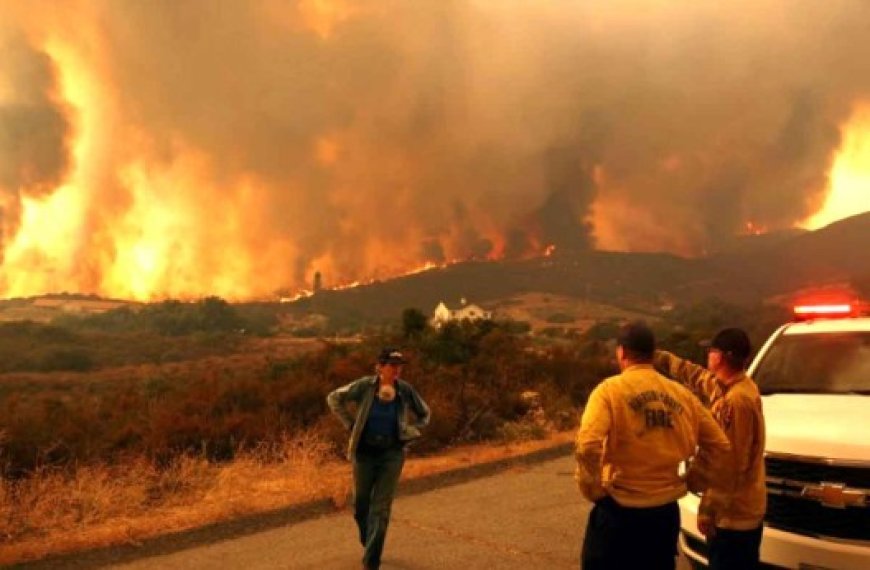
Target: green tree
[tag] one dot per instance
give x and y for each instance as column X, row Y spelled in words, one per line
column 414, row 323
column 216, row 315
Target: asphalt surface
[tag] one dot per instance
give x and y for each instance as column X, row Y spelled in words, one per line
column 525, row 517
column 524, row 513
column 530, row 516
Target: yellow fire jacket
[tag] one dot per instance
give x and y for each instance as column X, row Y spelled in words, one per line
column 739, row 504
column 638, row 428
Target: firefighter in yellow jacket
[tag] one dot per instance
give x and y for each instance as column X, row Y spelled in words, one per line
column 637, row 429
column 730, row 515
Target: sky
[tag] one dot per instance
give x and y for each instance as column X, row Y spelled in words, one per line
column 154, row 149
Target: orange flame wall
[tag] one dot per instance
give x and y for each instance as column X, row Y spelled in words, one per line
column 849, row 178
column 154, row 149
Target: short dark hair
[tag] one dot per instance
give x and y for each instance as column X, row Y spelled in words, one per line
column 734, row 345
column 637, row 341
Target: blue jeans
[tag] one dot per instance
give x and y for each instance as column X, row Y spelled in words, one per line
column 375, row 476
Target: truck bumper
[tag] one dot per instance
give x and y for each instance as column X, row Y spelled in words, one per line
column 779, row 549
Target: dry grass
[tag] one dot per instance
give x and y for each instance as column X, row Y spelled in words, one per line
column 54, row 513
column 480, row 453
column 535, row 308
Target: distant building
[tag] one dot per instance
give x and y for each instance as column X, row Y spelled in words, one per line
column 469, row 311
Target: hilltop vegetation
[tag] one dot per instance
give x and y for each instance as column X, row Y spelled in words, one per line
column 473, row 373
column 170, row 331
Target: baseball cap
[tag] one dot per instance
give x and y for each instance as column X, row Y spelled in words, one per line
column 391, row 356
column 732, row 341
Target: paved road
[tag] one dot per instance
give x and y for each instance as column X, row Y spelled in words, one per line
column 526, row 517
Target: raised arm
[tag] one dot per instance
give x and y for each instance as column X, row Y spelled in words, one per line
column 696, row 378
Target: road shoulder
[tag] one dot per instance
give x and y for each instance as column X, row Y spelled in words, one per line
column 422, row 474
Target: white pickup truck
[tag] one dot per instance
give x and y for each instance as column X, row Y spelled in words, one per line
column 814, row 375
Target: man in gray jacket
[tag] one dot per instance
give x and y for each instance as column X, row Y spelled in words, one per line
column 380, row 428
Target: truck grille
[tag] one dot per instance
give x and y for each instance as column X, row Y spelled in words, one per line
column 816, row 472
column 818, row 499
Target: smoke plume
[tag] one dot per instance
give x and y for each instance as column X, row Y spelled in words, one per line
column 33, row 128
column 236, row 148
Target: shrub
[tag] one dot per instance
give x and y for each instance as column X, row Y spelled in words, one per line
column 515, row 327
column 307, row 332
column 560, row 318
column 69, row 359
column 521, row 431
column 414, row 323
column 471, row 374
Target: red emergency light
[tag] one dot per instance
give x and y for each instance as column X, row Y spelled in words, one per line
column 827, row 310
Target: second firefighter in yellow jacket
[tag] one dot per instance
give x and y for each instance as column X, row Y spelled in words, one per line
column 637, row 429
column 731, row 513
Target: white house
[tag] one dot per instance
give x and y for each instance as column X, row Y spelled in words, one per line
column 470, row 311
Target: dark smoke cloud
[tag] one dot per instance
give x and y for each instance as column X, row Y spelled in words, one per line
column 471, row 129
column 34, row 127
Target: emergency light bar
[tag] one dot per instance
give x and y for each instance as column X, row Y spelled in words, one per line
column 840, row 310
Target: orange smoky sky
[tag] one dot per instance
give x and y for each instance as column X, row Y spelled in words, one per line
column 160, row 148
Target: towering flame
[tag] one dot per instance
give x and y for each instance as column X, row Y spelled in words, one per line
column 849, row 180
column 180, row 149
column 40, row 253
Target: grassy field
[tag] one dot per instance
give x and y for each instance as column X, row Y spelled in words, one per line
column 571, row 314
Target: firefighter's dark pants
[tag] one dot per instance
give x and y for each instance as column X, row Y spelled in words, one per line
column 735, row 549
column 624, row 538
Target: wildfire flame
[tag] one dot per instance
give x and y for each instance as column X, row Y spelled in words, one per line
column 293, row 298
column 234, row 152
column 156, row 244
column 428, row 266
column 849, row 180
column 755, row 230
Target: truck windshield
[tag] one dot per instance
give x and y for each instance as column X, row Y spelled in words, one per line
column 834, row 363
